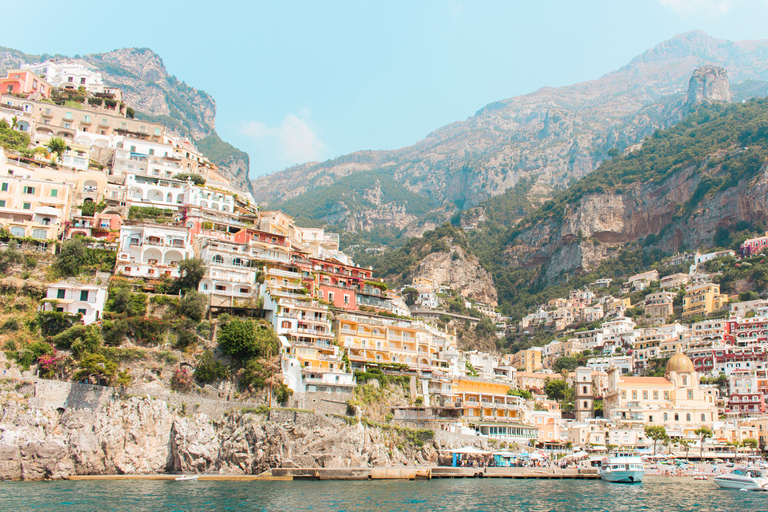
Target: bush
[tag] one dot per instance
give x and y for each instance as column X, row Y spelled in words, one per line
column 54, row 322
column 204, row 329
column 283, row 393
column 193, row 305
column 254, row 375
column 147, row 330
column 114, row 332
column 182, row 380
column 96, row 365
column 88, row 344
column 71, row 258
column 245, row 339
column 196, row 178
column 66, row 338
column 185, row 332
column 12, row 324
column 209, row 370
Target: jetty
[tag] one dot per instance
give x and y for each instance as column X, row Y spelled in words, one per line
column 380, row 473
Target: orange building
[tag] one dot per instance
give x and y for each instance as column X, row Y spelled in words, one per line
column 23, row 81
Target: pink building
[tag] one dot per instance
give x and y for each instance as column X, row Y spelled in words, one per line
column 23, row 81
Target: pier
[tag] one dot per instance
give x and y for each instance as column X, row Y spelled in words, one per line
column 386, row 473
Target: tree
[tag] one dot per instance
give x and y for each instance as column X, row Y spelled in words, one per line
column 209, row 370
column 192, row 305
column 685, row 443
column 196, row 178
column 57, row 145
column 191, row 272
column 244, row 339
column 96, row 365
column 72, row 257
column 410, row 295
column 522, row 393
column 657, row 433
column 565, row 363
column 750, row 443
column 556, row 389
column 704, row 433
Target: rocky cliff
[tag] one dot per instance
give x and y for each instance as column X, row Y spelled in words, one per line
column 143, row 435
column 461, row 271
column 709, row 83
column 556, row 135
column 159, row 97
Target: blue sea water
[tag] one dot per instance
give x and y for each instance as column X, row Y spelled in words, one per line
column 655, row 494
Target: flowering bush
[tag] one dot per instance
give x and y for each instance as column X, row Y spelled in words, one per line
column 182, row 380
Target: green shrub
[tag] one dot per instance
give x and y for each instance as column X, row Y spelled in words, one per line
column 246, row 339
column 193, row 305
column 210, row 370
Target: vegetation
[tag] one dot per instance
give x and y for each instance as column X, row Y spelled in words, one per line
column 657, row 433
column 13, row 140
column 196, row 178
column 191, row 272
column 246, row 339
column 75, row 257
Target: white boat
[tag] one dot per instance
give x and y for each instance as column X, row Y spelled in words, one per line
column 625, row 469
column 743, row 478
column 186, row 477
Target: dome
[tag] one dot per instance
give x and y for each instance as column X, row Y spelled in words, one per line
column 680, row 363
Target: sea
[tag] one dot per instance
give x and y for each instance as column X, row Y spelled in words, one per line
column 654, row 494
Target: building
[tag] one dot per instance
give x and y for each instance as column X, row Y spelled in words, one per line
column 702, row 299
column 754, row 246
column 76, row 299
column 675, row 401
column 230, row 272
column 625, row 364
column 34, row 207
column 659, row 305
column 152, row 251
column 69, row 74
column 745, row 398
column 750, row 307
column 584, row 394
column 674, row 281
column 528, row 360
column 24, row 82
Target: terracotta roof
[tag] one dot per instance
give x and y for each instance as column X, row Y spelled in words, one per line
column 645, row 380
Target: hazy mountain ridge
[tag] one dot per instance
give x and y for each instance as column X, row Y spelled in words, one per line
column 556, row 134
column 159, row 97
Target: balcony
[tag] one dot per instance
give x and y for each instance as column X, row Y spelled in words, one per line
column 47, row 113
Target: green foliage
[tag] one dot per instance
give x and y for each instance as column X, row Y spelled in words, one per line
column 191, row 272
column 556, row 389
column 114, row 331
column 522, row 393
column 52, row 323
column 96, row 366
column 124, row 302
column 210, row 370
column 66, row 338
column 182, row 380
column 193, row 305
column 384, row 379
column 184, row 176
column 151, row 212
column 90, row 343
column 218, row 151
column 567, row 363
column 90, row 209
column 147, row 330
column 13, row 140
column 57, row 145
column 657, row 433
column 75, row 258
column 254, row 375
column 185, row 332
column 10, row 256
column 283, row 393
column 246, row 339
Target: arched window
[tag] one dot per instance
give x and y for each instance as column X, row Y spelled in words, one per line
column 666, row 417
column 218, row 259
column 237, row 262
column 688, row 417
column 685, row 380
column 46, row 221
column 703, row 417
column 677, row 417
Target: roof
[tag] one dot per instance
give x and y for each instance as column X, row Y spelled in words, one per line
column 646, row 380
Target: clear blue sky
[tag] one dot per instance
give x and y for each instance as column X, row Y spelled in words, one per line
column 298, row 81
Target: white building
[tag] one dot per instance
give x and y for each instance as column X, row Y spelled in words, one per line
column 68, row 73
column 229, row 270
column 147, row 191
column 76, row 298
column 625, row 364
column 152, row 250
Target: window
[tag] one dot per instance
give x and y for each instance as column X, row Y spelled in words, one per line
column 666, row 416
column 650, row 418
column 645, row 395
column 624, row 395
column 330, row 296
column 634, row 395
column 104, row 121
column 54, row 192
column 685, row 380
column 666, row 395
column 4, row 187
column 151, row 151
column 688, row 417
column 29, row 190
column 60, row 293
column 157, row 132
column 81, row 311
column 133, row 149
column 690, row 394
column 40, row 234
column 346, row 298
column 677, row 417
column 87, row 119
column 655, row 395
column 46, row 221
column 84, row 295
column 82, row 80
column 2, row 203
column 220, row 287
column 218, row 259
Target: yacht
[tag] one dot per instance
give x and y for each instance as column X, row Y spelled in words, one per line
column 743, row 478
column 624, row 469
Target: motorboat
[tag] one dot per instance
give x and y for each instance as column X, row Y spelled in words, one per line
column 184, row 478
column 743, row 478
column 623, row 469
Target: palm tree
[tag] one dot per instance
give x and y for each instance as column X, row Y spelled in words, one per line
column 704, row 433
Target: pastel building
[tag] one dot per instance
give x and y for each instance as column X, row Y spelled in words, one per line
column 152, row 251
column 69, row 74
column 33, row 207
column 76, row 298
column 24, row 81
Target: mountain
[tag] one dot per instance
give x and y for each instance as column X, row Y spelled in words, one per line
column 157, row 96
column 554, row 136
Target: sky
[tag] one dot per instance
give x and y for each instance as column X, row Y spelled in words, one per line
column 302, row 81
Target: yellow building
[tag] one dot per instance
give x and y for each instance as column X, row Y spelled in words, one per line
column 702, row 300
column 674, row 401
column 527, row 360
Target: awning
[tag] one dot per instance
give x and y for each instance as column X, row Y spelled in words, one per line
column 469, row 450
column 284, row 343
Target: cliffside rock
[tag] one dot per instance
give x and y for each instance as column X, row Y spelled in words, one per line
column 459, row 271
column 708, row 84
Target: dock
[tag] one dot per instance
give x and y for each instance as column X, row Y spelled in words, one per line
column 383, row 473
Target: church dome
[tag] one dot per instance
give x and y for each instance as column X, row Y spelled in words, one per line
column 680, row 363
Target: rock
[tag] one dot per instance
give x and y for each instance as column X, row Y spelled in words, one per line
column 708, row 84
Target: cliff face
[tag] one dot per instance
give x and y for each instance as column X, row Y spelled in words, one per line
column 142, row 435
column 556, row 135
column 160, row 97
column 460, row 271
column 709, row 83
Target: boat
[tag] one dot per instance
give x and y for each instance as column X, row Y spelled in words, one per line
column 183, row 478
column 623, row 469
column 743, row 478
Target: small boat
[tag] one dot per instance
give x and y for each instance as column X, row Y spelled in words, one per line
column 743, row 478
column 700, row 477
column 184, row 478
column 623, row 469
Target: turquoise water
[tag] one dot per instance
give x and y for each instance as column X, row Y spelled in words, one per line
column 655, row 494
